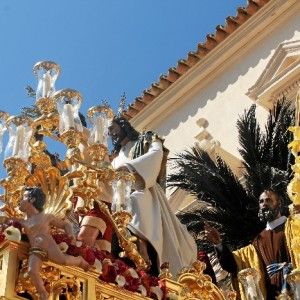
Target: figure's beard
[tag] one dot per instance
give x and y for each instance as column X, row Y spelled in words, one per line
column 267, row 214
column 118, row 138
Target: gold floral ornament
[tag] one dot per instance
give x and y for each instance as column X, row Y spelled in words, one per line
column 192, row 284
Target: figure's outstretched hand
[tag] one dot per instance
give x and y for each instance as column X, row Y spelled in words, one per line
column 212, row 234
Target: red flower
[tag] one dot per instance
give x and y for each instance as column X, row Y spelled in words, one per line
column 74, row 250
column 132, row 284
column 109, row 272
column 121, row 266
column 146, row 282
column 88, row 254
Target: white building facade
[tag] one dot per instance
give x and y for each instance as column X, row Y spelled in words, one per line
column 258, row 61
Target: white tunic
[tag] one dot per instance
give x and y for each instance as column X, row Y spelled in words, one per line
column 153, row 219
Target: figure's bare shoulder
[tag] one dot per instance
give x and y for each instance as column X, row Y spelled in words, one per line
column 55, row 221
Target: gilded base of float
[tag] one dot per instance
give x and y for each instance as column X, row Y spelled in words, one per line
column 74, row 283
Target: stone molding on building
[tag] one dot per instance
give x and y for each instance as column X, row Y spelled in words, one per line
column 281, row 77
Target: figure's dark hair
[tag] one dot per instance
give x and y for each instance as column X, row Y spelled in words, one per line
column 130, row 131
column 40, row 197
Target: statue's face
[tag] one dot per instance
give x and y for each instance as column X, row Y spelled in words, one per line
column 24, row 202
column 117, row 134
column 269, row 206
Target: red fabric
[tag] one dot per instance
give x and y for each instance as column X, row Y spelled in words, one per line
column 96, row 212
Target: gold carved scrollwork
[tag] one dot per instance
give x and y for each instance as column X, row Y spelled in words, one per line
column 47, row 123
column 193, row 284
column 55, row 282
column 16, row 169
column 119, row 221
column 69, row 287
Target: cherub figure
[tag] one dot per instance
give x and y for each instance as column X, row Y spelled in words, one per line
column 37, row 226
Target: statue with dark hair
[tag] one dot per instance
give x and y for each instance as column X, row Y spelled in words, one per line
column 126, row 131
column 39, row 196
column 37, row 226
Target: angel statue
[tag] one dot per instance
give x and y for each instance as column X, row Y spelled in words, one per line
column 37, row 226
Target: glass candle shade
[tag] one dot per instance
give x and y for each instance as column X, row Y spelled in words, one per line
column 68, row 103
column 100, row 118
column 3, row 117
column 121, row 191
column 20, row 131
column 249, row 278
column 47, row 72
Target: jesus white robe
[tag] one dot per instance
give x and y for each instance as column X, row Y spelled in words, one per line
column 153, row 219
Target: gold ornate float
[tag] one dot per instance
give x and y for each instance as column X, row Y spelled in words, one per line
column 27, row 164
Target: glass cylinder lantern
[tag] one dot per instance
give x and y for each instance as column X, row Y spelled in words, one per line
column 100, row 118
column 249, row 278
column 20, row 131
column 68, row 103
column 3, row 117
column 122, row 185
column 47, row 72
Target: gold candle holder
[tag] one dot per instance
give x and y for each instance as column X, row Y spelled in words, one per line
column 98, row 152
column 72, row 139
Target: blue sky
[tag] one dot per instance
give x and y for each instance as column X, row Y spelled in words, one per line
column 104, row 48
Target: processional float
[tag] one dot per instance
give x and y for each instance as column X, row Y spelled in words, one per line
column 27, row 163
